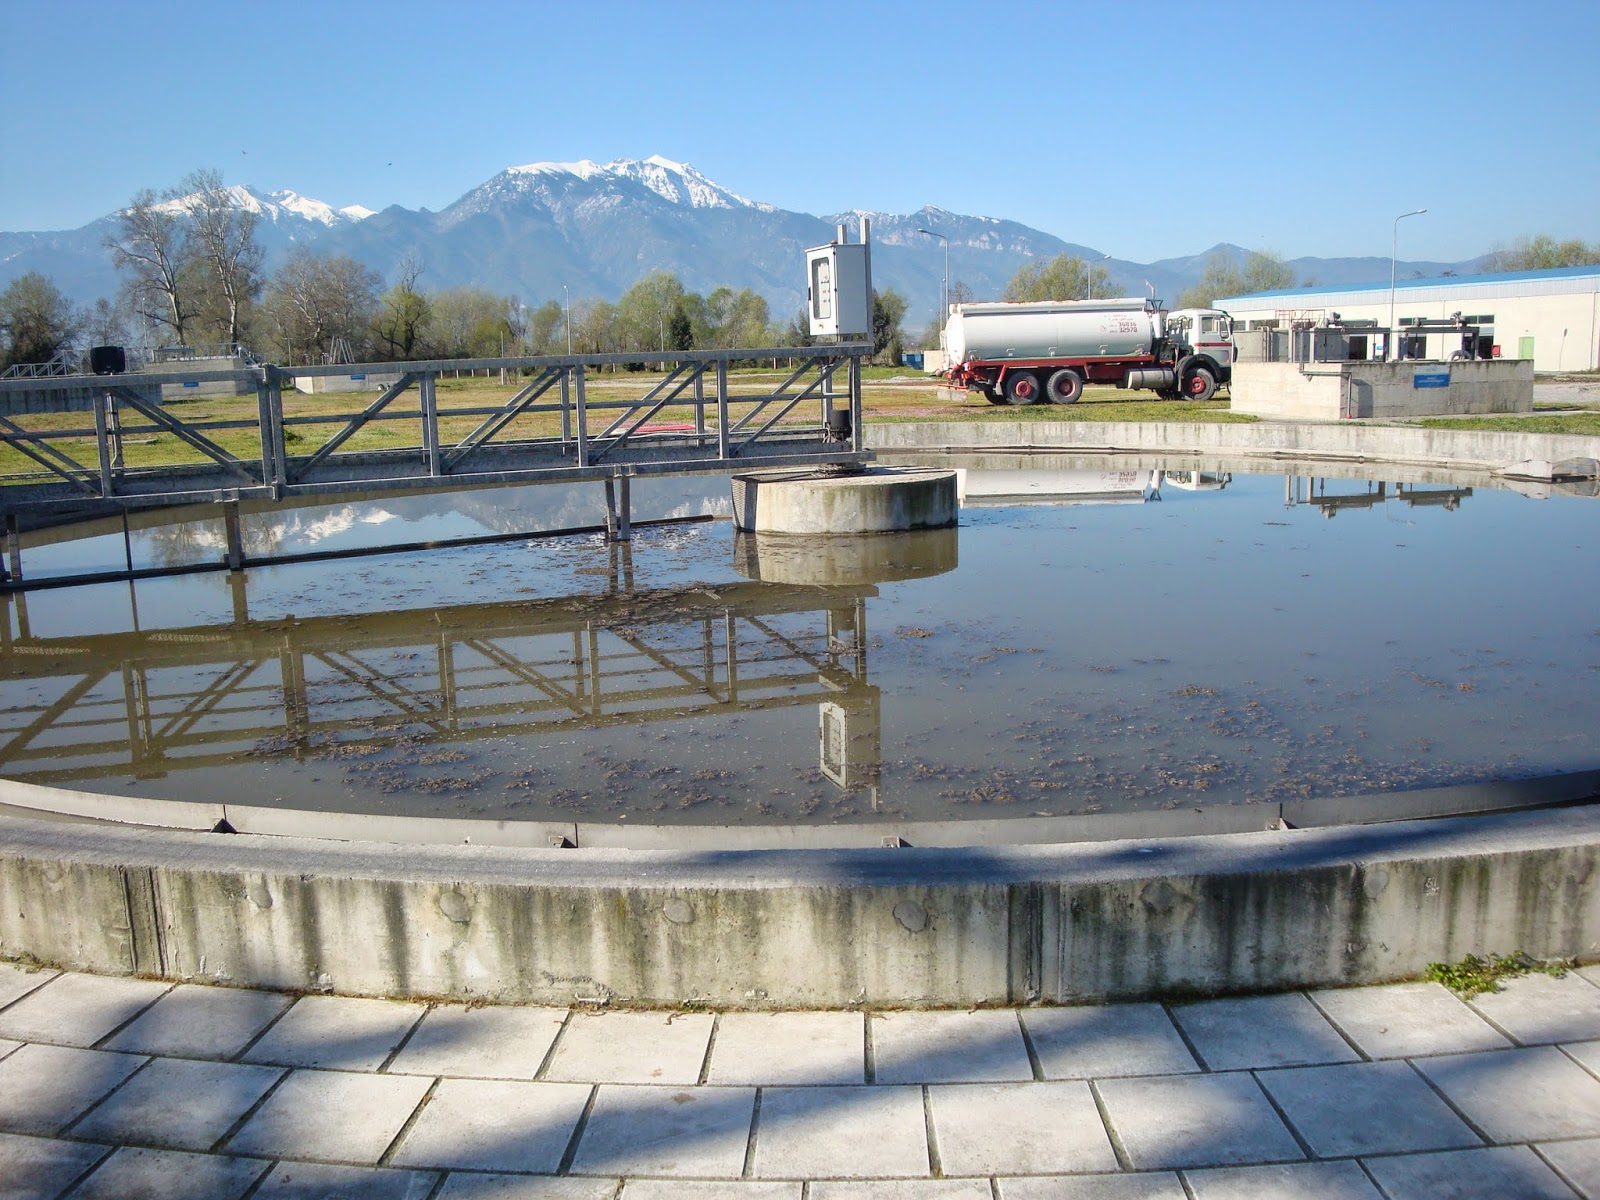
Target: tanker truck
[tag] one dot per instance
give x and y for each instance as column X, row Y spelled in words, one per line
column 1044, row 353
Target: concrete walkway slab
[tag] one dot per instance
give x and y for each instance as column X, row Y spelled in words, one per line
column 78, row 1010
column 818, row 1133
column 637, row 1047
column 1196, row 1121
column 33, row 1168
column 696, row 1132
column 331, row 1116
column 44, row 1087
column 684, row 1189
column 1578, row 1162
column 1535, row 1009
column 1290, row 1181
column 1261, row 1031
column 976, row 1130
column 1146, row 1185
column 336, row 1033
column 1519, row 1095
column 437, row 1116
column 169, row 1175
column 948, row 1047
column 472, row 1186
column 192, row 1021
column 16, row 981
column 902, row 1189
column 495, row 1125
column 482, row 1043
column 1405, row 1020
column 1098, row 1042
column 1365, row 1108
column 789, row 1048
column 178, row 1103
column 1497, row 1173
column 324, row 1181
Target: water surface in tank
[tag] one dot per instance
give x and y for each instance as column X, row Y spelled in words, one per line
column 1097, row 636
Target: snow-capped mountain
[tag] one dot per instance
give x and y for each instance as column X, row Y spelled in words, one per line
column 594, row 229
column 278, row 207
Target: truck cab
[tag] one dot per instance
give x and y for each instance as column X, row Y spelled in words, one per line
column 1204, row 331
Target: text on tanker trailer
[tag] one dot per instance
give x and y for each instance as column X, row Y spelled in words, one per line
column 1043, row 353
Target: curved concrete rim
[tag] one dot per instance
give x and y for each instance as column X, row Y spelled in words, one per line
column 1117, row 920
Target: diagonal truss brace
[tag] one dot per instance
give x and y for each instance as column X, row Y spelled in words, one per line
column 48, row 457
column 390, row 394
column 664, row 393
column 510, row 411
column 184, row 433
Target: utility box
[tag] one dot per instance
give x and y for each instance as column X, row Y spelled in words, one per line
column 839, row 289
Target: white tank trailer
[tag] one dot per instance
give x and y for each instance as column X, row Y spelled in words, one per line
column 1044, row 353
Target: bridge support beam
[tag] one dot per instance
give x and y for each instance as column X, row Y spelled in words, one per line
column 11, row 565
column 619, row 507
column 235, row 536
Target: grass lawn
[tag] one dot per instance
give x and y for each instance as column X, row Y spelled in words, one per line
column 1582, row 423
column 888, row 394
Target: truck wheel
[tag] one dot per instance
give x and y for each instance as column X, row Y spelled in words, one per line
column 1199, row 384
column 993, row 396
column 1064, row 387
column 1022, row 388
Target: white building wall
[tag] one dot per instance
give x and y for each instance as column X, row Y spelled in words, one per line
column 1561, row 316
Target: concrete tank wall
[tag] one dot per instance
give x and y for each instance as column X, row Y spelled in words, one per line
column 1381, row 391
column 768, row 929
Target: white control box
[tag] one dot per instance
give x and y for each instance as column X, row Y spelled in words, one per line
column 839, row 290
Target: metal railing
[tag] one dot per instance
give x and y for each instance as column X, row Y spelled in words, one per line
column 562, row 420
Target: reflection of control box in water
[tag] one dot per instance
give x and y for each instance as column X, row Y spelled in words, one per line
column 839, row 287
column 850, row 725
column 978, row 488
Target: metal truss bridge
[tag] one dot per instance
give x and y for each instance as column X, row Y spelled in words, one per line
column 563, row 420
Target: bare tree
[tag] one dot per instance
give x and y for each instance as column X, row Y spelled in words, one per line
column 313, row 302
column 152, row 246
column 224, row 234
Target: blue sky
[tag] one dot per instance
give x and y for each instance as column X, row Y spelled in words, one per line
column 1147, row 129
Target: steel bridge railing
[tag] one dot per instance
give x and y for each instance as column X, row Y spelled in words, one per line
column 570, row 416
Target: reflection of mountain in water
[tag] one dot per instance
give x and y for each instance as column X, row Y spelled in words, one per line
column 510, row 510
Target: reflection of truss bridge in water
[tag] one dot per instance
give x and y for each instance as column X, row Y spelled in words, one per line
column 77, row 710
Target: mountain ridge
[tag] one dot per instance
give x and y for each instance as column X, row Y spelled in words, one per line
column 595, row 228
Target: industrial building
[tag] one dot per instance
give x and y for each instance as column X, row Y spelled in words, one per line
column 1551, row 317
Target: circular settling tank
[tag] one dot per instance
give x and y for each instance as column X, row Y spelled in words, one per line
column 1099, row 638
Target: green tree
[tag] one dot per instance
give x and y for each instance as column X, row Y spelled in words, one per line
column 1064, row 277
column 1262, row 271
column 469, row 322
column 36, row 321
column 544, row 323
column 403, row 313
column 680, row 329
column 644, row 310
column 888, row 310
column 1543, row 253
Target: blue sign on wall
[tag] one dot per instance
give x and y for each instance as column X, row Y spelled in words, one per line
column 362, row 376
column 1424, row 379
column 191, row 383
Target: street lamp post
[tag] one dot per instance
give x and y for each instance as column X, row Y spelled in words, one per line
column 1394, row 246
column 567, row 292
column 1103, row 258
column 944, row 312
